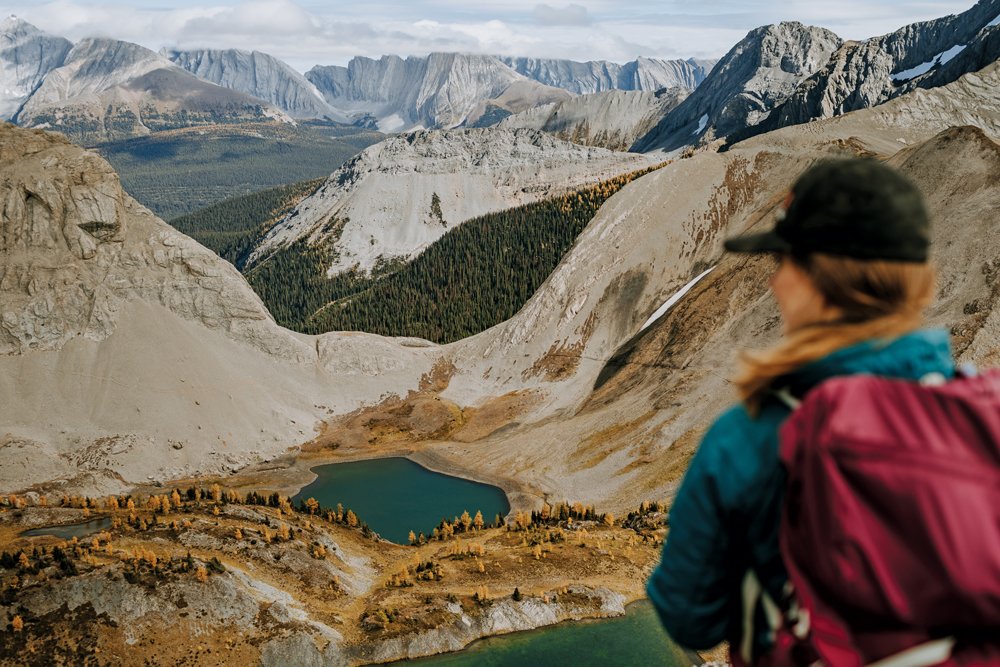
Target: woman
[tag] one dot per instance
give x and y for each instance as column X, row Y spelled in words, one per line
column 851, row 284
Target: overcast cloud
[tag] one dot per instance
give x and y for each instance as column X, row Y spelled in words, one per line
column 306, row 33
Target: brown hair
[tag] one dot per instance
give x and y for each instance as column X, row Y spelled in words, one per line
column 879, row 299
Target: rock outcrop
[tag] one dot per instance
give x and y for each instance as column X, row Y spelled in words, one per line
column 259, row 75
column 614, row 119
column 399, row 196
column 860, row 75
column 108, row 89
column 644, row 74
column 747, row 83
column 442, row 90
column 26, row 55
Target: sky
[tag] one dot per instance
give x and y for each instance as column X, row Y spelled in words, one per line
column 305, row 33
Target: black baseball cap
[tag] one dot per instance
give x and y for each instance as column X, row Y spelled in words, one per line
column 853, row 207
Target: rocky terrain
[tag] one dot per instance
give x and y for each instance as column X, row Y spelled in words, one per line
column 596, row 76
column 614, row 119
column 26, row 55
column 206, row 576
column 442, row 90
column 108, row 89
column 400, row 195
column 864, row 74
column 745, row 85
column 258, row 75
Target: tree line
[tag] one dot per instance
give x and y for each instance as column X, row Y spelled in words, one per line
column 475, row 276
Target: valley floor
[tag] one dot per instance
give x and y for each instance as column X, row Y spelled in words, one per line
column 213, row 576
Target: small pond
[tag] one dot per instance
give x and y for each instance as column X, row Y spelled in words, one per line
column 395, row 495
column 68, row 532
column 633, row 639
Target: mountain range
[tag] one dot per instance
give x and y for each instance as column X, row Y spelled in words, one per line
column 104, row 89
column 92, row 282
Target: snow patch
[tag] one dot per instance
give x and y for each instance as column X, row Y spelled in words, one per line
column 702, row 124
column 936, row 61
column 674, row 299
column 995, row 21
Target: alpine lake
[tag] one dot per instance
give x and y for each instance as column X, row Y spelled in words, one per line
column 396, row 495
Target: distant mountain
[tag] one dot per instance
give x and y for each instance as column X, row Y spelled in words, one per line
column 613, row 119
column 747, row 83
column 442, row 90
column 595, row 76
column 863, row 74
column 108, row 89
column 26, row 55
column 397, row 197
column 259, row 75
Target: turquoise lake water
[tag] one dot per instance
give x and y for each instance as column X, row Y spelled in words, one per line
column 635, row 639
column 395, row 495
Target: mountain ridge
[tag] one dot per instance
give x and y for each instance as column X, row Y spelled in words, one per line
column 21, row 72
column 381, row 204
column 259, row 75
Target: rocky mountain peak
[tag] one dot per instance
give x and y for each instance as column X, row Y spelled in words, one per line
column 14, row 25
column 644, row 74
column 756, row 75
column 441, row 90
column 26, row 55
column 257, row 74
column 864, row 74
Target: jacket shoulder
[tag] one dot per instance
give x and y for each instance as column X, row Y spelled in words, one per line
column 740, row 452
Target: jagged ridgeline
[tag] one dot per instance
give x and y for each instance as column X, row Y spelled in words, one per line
column 475, row 276
column 180, row 171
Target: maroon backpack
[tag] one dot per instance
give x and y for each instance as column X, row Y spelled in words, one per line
column 891, row 524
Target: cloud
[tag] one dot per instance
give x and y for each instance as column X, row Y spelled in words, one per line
column 309, row 32
column 568, row 15
column 253, row 19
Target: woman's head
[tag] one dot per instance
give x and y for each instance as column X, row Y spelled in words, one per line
column 852, row 247
column 848, row 207
column 827, row 289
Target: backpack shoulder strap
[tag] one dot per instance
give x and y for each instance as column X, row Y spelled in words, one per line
column 785, row 396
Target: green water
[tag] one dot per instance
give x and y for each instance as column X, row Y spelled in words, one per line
column 395, row 495
column 68, row 532
column 633, row 639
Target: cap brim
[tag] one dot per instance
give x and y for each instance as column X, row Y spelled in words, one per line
column 761, row 242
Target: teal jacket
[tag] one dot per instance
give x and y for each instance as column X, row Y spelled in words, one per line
column 724, row 520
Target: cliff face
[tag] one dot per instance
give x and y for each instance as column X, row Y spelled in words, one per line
column 443, row 90
column 108, row 89
column 258, row 75
column 26, row 56
column 614, row 119
column 381, row 204
column 642, row 74
column 750, row 80
column 860, row 75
